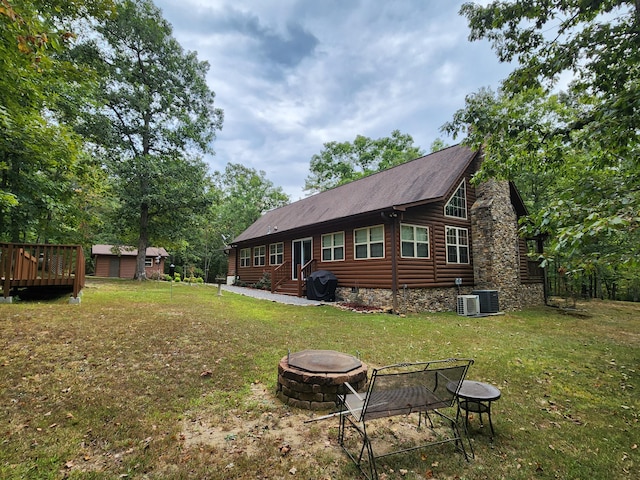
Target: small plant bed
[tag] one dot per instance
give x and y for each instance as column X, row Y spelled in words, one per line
column 358, row 307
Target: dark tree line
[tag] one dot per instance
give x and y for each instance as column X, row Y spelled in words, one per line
column 104, row 121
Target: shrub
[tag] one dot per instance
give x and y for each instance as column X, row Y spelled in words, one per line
column 155, row 275
column 193, row 279
column 265, row 282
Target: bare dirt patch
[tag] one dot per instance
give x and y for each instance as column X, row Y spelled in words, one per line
column 298, row 437
column 278, row 428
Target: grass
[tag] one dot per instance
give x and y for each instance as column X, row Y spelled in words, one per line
column 155, row 380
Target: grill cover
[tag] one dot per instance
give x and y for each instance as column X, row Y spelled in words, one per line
column 321, row 285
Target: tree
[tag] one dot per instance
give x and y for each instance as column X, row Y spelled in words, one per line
column 340, row 163
column 438, row 144
column 586, row 209
column 596, row 42
column 245, row 194
column 238, row 197
column 155, row 117
column 575, row 144
column 43, row 173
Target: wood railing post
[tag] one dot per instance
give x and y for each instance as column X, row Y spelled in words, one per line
column 303, row 272
column 7, row 262
column 78, row 280
column 274, row 282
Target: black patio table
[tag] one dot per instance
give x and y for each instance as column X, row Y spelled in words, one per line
column 475, row 397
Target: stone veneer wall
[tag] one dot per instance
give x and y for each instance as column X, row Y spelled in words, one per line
column 494, row 232
column 417, row 300
column 529, row 295
column 496, row 262
column 372, row 297
column 410, row 300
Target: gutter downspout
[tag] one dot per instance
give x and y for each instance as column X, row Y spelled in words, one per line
column 394, row 263
column 237, row 263
column 393, row 217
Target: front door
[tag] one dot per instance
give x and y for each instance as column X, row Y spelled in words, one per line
column 301, row 255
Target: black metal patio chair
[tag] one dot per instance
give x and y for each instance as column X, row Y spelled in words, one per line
column 402, row 389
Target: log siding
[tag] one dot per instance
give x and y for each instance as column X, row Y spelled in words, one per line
column 393, row 272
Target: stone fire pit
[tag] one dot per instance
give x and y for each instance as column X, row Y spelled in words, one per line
column 311, row 379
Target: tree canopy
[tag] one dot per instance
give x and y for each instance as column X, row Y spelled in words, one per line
column 104, row 120
column 155, row 115
column 596, row 44
column 245, row 194
column 343, row 162
column 564, row 124
column 43, row 172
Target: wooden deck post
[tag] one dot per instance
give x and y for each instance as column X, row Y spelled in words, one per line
column 7, row 260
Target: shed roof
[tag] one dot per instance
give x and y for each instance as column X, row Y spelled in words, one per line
column 423, row 180
column 122, row 250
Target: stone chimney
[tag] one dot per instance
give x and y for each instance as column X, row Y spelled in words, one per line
column 494, row 236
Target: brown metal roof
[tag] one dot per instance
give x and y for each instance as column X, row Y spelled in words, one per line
column 423, row 180
column 127, row 251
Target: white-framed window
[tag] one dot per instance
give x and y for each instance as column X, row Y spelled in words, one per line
column 333, row 247
column 414, row 241
column 245, row 257
column 457, row 244
column 457, row 205
column 276, row 253
column 368, row 242
column 259, row 256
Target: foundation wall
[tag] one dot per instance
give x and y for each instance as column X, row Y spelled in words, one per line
column 417, row 300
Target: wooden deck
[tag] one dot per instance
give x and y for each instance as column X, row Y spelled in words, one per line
column 42, row 266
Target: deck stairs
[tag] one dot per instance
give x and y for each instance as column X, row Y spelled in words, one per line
column 288, row 287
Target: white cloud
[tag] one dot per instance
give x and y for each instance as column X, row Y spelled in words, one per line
column 292, row 75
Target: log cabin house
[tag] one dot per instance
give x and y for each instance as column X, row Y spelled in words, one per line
column 411, row 238
column 120, row 261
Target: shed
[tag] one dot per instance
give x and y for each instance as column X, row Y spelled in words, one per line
column 119, row 261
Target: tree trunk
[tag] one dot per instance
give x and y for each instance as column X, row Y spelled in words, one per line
column 143, row 241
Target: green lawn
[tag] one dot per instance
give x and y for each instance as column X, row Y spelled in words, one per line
column 158, row 381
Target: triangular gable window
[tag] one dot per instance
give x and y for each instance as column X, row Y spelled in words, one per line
column 457, row 204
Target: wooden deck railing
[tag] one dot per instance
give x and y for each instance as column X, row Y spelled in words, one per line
column 303, row 272
column 280, row 274
column 31, row 265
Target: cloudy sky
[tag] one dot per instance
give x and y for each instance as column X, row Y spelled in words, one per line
column 291, row 75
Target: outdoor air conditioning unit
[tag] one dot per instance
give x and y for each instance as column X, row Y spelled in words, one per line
column 489, row 302
column 468, row 305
